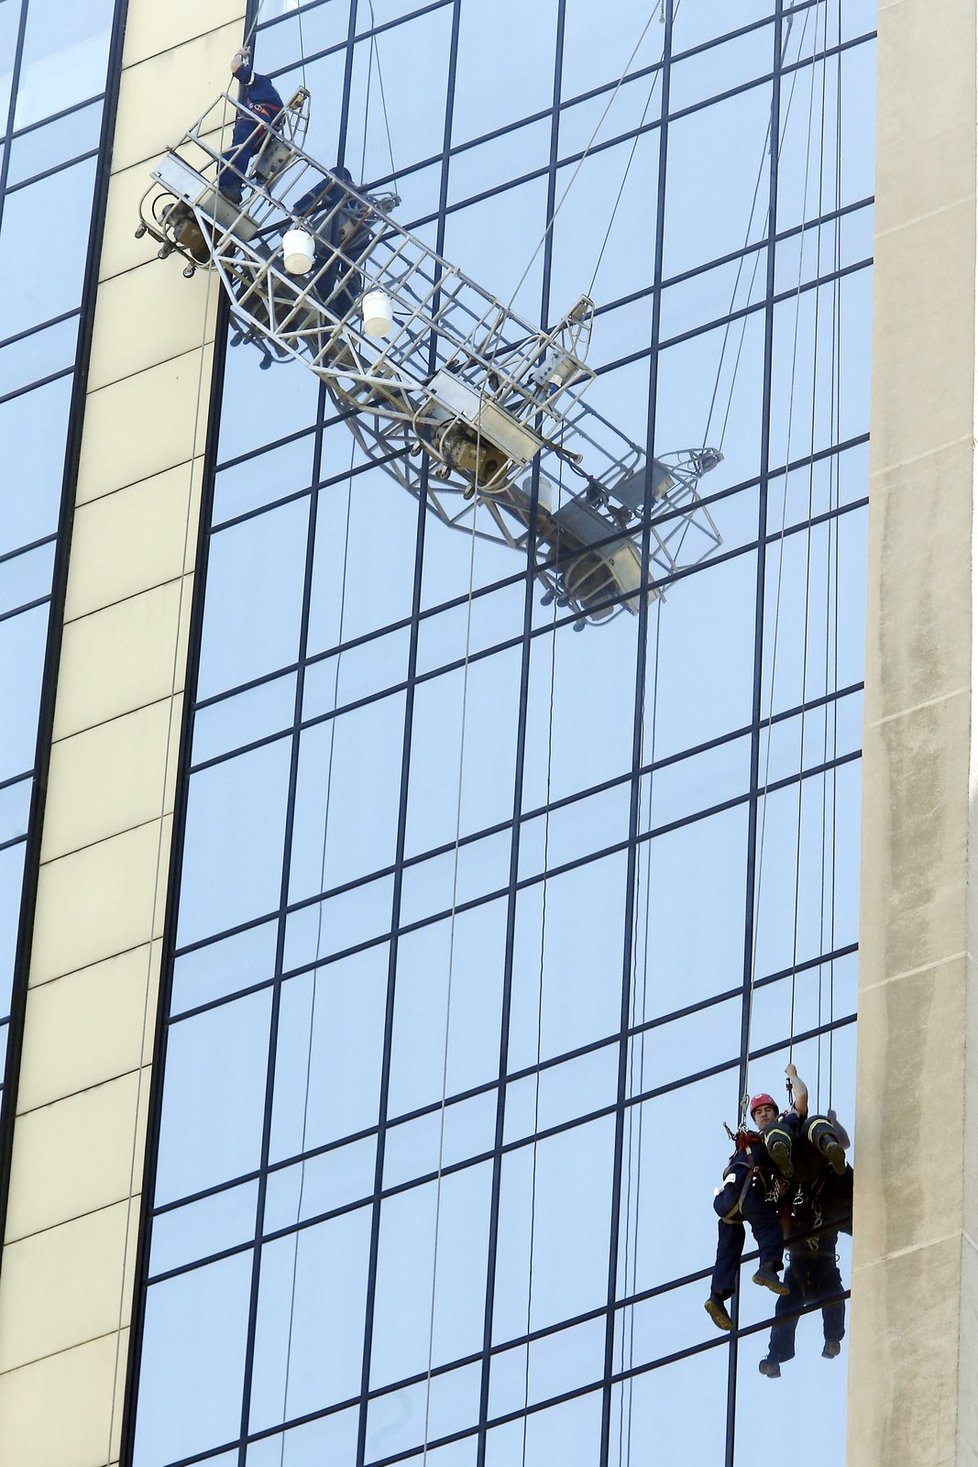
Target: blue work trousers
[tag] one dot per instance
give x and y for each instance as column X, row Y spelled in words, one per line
column 762, row 1217
column 810, row 1280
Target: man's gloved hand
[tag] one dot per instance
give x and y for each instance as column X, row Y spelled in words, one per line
column 241, row 58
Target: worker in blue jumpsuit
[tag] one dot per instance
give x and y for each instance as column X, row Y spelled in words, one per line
column 258, row 94
column 750, row 1194
column 812, row 1277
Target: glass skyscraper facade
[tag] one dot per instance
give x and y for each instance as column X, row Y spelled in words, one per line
column 482, row 921
column 53, row 65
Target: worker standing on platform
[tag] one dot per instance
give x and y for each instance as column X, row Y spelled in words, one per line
column 257, row 93
column 750, row 1193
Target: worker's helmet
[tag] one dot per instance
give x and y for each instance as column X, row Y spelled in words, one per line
column 761, row 1099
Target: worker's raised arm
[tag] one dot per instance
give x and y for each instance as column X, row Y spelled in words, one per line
column 799, row 1091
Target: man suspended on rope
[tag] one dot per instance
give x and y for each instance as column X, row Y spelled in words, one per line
column 797, row 1143
column 257, row 93
column 750, row 1193
column 812, row 1277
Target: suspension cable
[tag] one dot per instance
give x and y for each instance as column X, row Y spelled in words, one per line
column 544, row 885
column 581, row 161
column 446, row 1035
column 633, row 1198
column 375, row 54
column 743, row 255
column 631, row 156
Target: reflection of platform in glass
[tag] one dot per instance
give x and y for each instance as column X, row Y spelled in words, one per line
column 460, row 390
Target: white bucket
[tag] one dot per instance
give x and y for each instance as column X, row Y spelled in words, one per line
column 298, row 249
column 378, row 313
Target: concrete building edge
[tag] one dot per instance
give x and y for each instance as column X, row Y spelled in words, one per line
column 136, row 1322
column 131, row 1323
column 52, row 654
column 873, row 1424
column 155, row 1099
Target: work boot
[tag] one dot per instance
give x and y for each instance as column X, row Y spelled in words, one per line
column 830, row 1349
column 717, row 1311
column 834, row 1155
column 768, row 1278
column 769, row 1367
column 780, row 1153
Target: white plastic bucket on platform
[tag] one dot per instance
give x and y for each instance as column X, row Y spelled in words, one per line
column 298, row 249
column 378, row 313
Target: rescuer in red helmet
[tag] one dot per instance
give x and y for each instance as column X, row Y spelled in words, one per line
column 785, row 1145
column 750, row 1194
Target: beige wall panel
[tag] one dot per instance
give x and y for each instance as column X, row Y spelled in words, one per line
column 909, row 1038
column 914, row 1319
column 100, row 901
column 138, row 537
column 967, row 1442
column 929, row 144
column 141, row 320
column 914, row 660
column 61, row 1407
column 75, row 1157
column 91, row 1015
column 917, row 412
column 918, row 905
column 112, row 778
column 162, row 97
column 81, row 1263
column 903, row 1360
column 143, row 425
column 95, row 1022
column 154, row 28
column 122, row 658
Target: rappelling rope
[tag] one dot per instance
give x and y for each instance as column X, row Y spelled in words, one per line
column 773, row 140
column 832, row 588
column 832, row 576
column 799, row 803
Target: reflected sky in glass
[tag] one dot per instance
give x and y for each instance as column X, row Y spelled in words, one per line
column 466, row 895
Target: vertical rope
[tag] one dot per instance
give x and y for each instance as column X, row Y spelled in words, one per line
column 451, row 965
column 633, row 1200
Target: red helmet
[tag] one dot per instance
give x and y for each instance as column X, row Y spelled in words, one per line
column 761, row 1099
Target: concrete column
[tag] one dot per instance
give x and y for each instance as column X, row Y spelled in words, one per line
column 76, row 1182
column 913, row 1400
